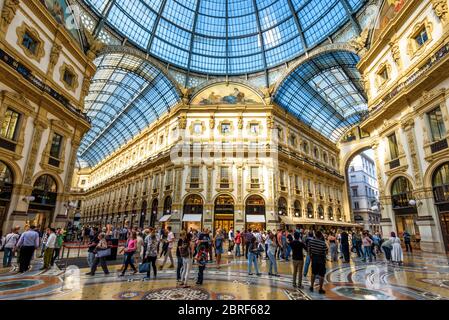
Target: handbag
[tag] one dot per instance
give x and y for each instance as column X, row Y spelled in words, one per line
column 144, row 267
column 104, row 253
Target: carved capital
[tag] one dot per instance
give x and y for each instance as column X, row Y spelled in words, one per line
column 440, row 8
column 8, row 13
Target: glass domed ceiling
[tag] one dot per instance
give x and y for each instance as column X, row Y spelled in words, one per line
column 226, row 36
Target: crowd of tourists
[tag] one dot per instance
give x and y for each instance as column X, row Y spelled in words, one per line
column 307, row 249
column 143, row 248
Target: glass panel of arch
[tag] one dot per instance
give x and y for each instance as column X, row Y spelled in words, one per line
column 282, row 206
column 224, row 213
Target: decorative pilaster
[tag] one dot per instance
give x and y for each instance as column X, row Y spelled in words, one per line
column 240, row 184
column 7, row 15
column 39, row 127
column 71, row 166
column 209, row 184
column 395, row 51
column 408, row 127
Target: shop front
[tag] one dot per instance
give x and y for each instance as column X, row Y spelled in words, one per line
column 224, row 213
column 404, row 207
column 42, row 207
column 255, row 213
column 440, row 183
column 193, row 213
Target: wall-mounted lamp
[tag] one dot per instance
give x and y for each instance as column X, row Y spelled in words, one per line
column 413, row 203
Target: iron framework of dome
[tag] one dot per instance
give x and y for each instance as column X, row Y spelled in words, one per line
column 225, row 37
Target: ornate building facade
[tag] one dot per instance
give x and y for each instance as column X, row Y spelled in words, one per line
column 407, row 84
column 45, row 75
column 245, row 163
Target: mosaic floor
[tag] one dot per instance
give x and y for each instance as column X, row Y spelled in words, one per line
column 423, row 276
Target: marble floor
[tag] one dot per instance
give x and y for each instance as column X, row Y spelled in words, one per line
column 423, row 276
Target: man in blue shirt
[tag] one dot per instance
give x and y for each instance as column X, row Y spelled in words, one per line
column 28, row 242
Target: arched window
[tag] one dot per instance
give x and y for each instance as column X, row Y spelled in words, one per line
column 45, row 190
column 193, row 205
column 440, row 183
column 297, row 208
column 330, row 213
column 316, row 153
column 255, row 205
column 401, row 193
column 321, row 212
column 282, row 206
column 339, row 217
column 309, row 210
column 167, row 205
column 6, row 182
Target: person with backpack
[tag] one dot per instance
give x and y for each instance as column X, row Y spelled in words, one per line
column 201, row 258
column 9, row 246
column 407, row 241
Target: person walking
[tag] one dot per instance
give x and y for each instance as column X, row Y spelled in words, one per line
column 50, row 247
column 397, row 255
column 187, row 256
column 252, row 256
column 248, row 236
column 298, row 248
column 231, row 239
column 307, row 263
column 129, row 251
column 218, row 244
column 99, row 258
column 238, row 241
column 138, row 255
column 318, row 250
column 271, row 251
column 344, row 243
column 366, row 245
column 333, row 248
column 43, row 243
column 151, row 254
column 28, row 243
column 58, row 246
column 387, row 246
column 93, row 242
column 178, row 256
column 9, row 246
column 170, row 242
column 407, row 241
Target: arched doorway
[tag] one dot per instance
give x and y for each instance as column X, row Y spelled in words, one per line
column 363, row 188
column 440, row 184
column 6, row 185
column 154, row 208
column 404, row 209
column 255, row 213
column 193, row 212
column 224, row 213
column 166, row 213
column 41, row 209
column 282, row 206
column 143, row 214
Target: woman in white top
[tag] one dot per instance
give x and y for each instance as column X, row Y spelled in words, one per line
column 396, row 252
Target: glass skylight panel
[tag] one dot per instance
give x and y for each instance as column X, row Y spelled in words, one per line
column 226, row 21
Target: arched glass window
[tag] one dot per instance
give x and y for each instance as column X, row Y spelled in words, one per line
column 167, row 205
column 45, row 190
column 321, row 212
column 282, row 206
column 297, row 207
column 440, row 183
column 309, row 210
column 330, row 213
column 255, row 205
column 401, row 193
column 193, row 205
column 6, row 181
